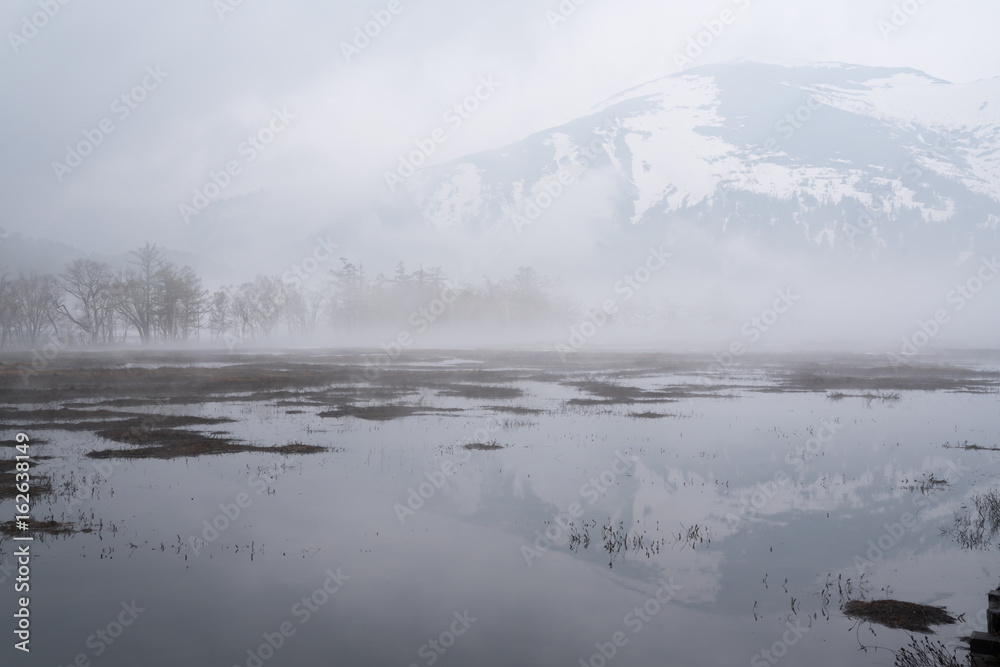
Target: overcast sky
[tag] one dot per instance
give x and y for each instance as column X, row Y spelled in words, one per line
column 220, row 75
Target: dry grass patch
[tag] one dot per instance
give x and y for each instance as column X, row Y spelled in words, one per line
column 900, row 615
column 490, row 446
column 10, row 529
column 175, row 444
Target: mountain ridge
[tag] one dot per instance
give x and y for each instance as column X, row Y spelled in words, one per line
column 773, row 151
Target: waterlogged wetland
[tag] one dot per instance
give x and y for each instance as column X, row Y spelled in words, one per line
column 453, row 508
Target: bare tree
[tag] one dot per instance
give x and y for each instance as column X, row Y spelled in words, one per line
column 8, row 310
column 90, row 284
column 161, row 301
column 38, row 307
column 303, row 310
column 268, row 304
column 193, row 304
column 349, row 303
column 242, row 308
column 526, row 294
column 314, row 311
column 136, row 291
column 219, row 313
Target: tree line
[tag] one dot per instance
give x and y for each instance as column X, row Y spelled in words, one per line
column 152, row 300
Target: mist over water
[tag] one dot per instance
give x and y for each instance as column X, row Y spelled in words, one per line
column 561, row 333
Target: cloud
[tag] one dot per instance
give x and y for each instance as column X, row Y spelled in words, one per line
column 227, row 74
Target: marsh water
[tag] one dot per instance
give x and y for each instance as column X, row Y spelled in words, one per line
column 609, row 513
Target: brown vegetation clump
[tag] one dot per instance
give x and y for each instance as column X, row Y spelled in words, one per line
column 49, row 527
column 490, row 446
column 39, row 484
column 382, row 412
column 900, row 615
column 481, row 391
column 174, row 444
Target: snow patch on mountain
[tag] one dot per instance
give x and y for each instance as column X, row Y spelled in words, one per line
column 765, row 149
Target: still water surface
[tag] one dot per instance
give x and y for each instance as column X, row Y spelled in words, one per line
column 399, row 547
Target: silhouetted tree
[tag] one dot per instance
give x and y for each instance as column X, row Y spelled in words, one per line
column 90, row 284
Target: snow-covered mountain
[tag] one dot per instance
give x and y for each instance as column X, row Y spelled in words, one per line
column 828, row 157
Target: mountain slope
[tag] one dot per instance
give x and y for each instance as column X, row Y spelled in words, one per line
column 823, row 156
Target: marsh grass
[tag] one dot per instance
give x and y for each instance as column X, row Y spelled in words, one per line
column 925, row 653
column 490, row 446
column 383, row 413
column 47, row 527
column 515, row 410
column 899, row 615
column 979, row 525
column 970, row 448
column 492, row 392
column 881, row 395
column 40, row 484
column 927, row 484
column 175, row 444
